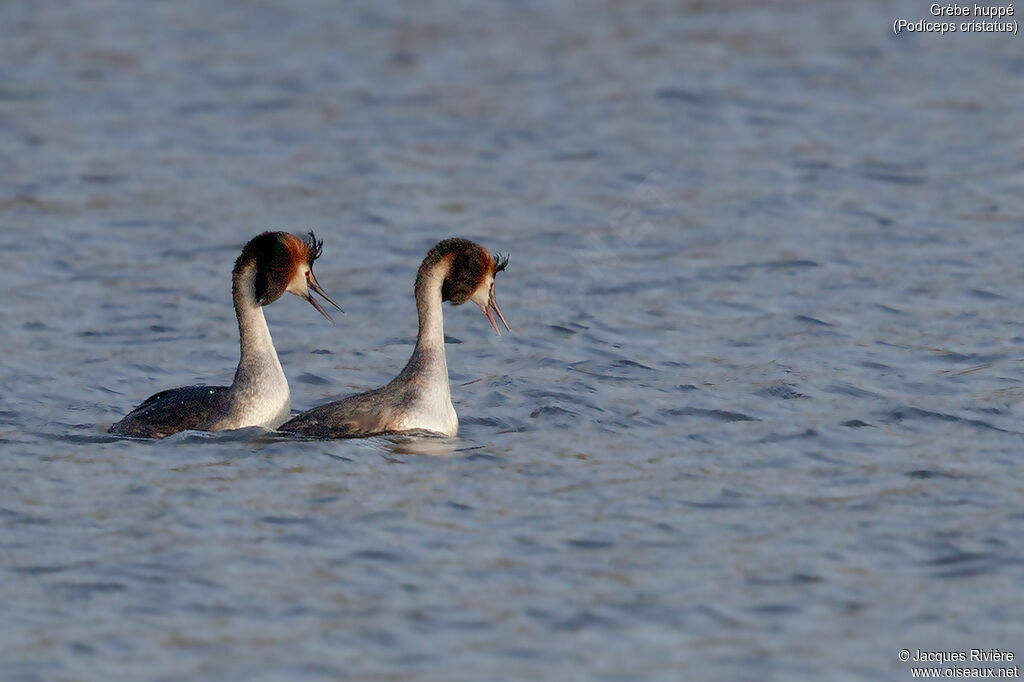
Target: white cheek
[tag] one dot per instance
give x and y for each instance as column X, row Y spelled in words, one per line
column 482, row 296
column 298, row 284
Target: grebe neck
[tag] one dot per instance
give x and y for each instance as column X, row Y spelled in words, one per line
column 258, row 364
column 428, row 364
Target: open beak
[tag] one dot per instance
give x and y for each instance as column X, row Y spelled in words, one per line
column 493, row 307
column 313, row 285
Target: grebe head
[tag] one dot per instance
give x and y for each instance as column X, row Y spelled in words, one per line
column 284, row 262
column 471, row 277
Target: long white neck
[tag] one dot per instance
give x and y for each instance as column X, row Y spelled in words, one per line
column 428, row 365
column 423, row 384
column 259, row 391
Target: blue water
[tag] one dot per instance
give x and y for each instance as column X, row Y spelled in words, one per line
column 761, row 416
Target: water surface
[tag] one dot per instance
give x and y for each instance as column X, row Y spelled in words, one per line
column 760, row 416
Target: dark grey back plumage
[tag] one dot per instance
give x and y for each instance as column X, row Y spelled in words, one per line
column 174, row 410
column 358, row 416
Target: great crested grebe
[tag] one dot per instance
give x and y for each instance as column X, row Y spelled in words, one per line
column 269, row 265
column 418, row 399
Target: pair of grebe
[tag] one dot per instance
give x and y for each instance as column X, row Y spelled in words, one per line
column 418, row 399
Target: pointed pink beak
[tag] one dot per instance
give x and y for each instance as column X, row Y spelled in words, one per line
column 493, row 307
column 313, row 285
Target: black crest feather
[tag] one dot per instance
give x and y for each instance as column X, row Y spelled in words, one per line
column 316, row 247
column 500, row 262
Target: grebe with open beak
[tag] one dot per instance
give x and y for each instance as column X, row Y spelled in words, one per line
column 269, row 265
column 418, row 399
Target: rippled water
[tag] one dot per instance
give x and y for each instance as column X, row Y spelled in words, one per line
column 761, row 417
